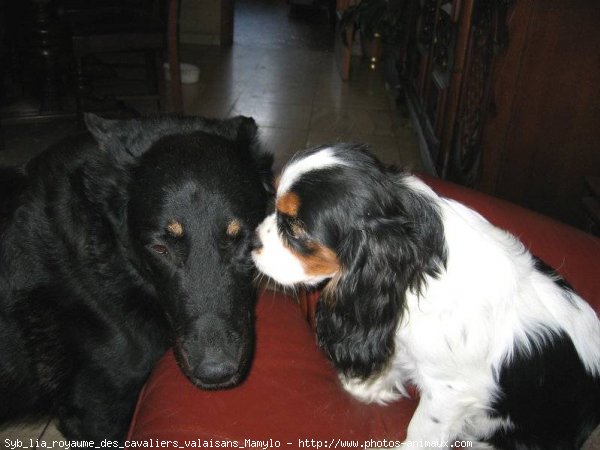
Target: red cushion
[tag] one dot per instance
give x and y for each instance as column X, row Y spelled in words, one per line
column 291, row 393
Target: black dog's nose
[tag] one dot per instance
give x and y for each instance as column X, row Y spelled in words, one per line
column 256, row 242
column 216, row 367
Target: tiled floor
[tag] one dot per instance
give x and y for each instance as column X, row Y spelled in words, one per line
column 281, row 72
column 298, row 99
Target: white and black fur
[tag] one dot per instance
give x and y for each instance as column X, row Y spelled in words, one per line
column 419, row 289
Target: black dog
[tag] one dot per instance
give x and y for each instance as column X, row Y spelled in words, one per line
column 111, row 246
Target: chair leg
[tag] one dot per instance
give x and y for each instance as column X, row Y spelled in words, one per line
column 46, row 38
column 173, row 55
column 82, row 88
column 152, row 74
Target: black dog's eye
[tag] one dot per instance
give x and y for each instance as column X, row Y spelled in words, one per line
column 233, row 228
column 161, row 249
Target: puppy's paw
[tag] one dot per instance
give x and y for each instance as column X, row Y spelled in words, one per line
column 372, row 390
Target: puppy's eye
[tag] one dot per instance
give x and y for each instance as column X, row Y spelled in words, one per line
column 297, row 231
column 160, row 249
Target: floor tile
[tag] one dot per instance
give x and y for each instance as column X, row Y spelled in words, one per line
column 295, row 117
column 352, row 120
column 283, row 143
column 384, row 147
column 367, row 93
column 298, row 95
column 408, row 149
column 202, row 104
column 22, row 432
column 50, row 436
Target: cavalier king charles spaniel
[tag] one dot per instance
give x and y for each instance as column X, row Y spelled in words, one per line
column 419, row 289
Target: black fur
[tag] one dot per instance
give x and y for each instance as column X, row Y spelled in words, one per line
column 93, row 286
column 549, row 396
column 387, row 238
column 549, row 271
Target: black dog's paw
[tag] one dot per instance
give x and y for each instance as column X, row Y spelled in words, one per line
column 99, row 423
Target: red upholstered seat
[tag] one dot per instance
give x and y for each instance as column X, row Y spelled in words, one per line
column 292, row 392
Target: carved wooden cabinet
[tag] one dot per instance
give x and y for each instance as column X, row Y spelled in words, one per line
column 506, row 96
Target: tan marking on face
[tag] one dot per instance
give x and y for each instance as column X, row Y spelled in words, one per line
column 233, row 228
column 175, row 228
column 321, row 261
column 288, row 204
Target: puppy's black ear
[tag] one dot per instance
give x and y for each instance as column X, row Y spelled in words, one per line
column 360, row 308
column 387, row 257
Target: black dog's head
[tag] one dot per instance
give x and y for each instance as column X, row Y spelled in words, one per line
column 367, row 233
column 195, row 192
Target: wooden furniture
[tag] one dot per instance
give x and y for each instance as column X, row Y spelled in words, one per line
column 371, row 46
column 591, row 205
column 128, row 26
column 43, row 41
column 173, row 55
column 506, row 96
column 33, row 61
column 344, row 39
column 207, row 22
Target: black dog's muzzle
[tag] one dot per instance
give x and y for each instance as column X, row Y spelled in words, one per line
column 212, row 354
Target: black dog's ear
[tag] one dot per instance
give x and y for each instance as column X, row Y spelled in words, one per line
column 102, row 129
column 246, row 129
column 123, row 140
column 383, row 260
column 105, row 173
column 247, row 137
